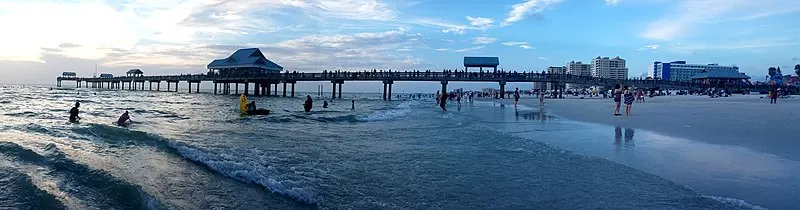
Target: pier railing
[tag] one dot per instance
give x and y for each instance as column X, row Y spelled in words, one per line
column 447, row 76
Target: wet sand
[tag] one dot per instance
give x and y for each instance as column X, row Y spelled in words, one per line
column 738, row 147
column 747, row 121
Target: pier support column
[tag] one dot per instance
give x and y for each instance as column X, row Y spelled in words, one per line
column 246, row 88
column 340, row 89
column 390, row 90
column 276, row 89
column 197, row 88
column 236, row 89
column 503, row 90
column 256, row 91
column 168, row 86
column 190, row 87
column 176, row 86
column 151, row 85
column 284, row 89
column 215, row 88
column 293, row 89
column 333, row 91
column 158, row 86
column 384, row 90
column 267, row 89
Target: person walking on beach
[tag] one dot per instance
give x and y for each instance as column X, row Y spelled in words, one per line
column 617, row 98
column 73, row 113
column 640, row 96
column 628, row 100
column 773, row 96
column 516, row 97
column 541, row 98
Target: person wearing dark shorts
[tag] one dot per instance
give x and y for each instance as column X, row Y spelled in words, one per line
column 516, row 97
column 628, row 100
column 617, row 98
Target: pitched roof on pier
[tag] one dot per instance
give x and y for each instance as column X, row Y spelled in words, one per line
column 135, row 71
column 720, row 74
column 68, row 74
column 481, row 61
column 245, row 58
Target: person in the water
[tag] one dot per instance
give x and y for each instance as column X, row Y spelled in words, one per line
column 307, row 105
column 73, row 113
column 123, row 119
column 443, row 101
column 325, row 104
column 251, row 106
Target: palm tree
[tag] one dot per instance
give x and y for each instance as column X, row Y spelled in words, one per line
column 797, row 69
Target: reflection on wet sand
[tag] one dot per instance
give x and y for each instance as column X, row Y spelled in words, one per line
column 628, row 136
column 534, row 115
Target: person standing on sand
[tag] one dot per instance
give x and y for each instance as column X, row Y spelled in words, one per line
column 516, row 97
column 617, row 98
column 437, row 97
column 773, row 96
column 628, row 100
column 308, row 104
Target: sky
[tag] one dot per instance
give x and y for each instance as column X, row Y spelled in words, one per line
column 44, row 38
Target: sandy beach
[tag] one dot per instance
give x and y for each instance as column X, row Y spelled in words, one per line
column 742, row 120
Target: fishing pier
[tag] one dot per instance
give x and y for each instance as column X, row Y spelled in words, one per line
column 248, row 66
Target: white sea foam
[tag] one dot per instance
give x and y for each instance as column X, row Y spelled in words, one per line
column 248, row 172
column 735, row 202
column 403, row 109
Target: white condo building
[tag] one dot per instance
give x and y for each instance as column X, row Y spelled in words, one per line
column 681, row 71
column 578, row 68
column 612, row 68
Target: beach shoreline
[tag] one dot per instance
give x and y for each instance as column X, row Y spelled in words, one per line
column 748, row 121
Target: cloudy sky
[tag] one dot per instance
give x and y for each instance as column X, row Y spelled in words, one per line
column 43, row 38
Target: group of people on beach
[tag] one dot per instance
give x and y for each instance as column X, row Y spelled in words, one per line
column 626, row 93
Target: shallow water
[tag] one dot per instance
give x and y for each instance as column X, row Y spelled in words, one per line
column 194, row 151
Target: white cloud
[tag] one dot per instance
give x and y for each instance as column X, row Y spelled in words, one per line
column 514, row 43
column 522, row 10
column 653, row 47
column 97, row 26
column 483, row 40
column 542, row 58
column 480, row 22
column 523, row 45
column 442, row 49
column 749, row 44
column 453, row 30
column 687, row 14
column 469, row 49
column 612, row 2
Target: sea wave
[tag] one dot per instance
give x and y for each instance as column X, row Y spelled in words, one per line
column 248, row 172
column 17, row 191
column 734, row 203
column 224, row 164
column 94, row 188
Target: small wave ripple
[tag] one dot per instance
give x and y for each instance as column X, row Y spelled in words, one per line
column 93, row 188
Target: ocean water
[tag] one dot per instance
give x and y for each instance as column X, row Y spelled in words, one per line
column 194, row 151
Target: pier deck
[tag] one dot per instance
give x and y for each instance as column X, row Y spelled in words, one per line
column 263, row 82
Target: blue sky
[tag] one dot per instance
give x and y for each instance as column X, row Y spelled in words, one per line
column 182, row 36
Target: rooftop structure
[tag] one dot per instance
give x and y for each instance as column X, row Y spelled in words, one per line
column 68, row 74
column 134, row 73
column 105, row 75
column 244, row 62
column 720, row 76
column 480, row 62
